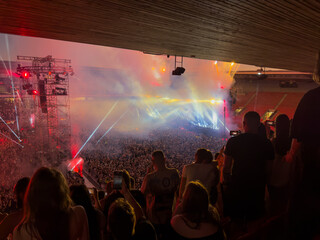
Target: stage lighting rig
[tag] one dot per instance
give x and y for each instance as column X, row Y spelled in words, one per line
column 58, row 78
column 178, row 69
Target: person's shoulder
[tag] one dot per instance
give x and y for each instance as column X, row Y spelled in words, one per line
column 77, row 211
column 177, row 221
column 312, row 93
column 173, row 171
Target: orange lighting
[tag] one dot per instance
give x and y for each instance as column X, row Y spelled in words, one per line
column 232, row 63
column 215, row 62
column 163, row 69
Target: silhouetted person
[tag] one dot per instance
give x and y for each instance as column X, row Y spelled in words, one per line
column 121, row 220
column 48, row 213
column 195, row 218
column 205, row 170
column 305, row 152
column 159, row 188
column 245, row 171
column 279, row 177
column 96, row 219
column 12, row 220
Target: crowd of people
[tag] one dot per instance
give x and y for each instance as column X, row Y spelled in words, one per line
column 120, row 151
column 177, row 184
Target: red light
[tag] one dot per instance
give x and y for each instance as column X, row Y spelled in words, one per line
column 25, row 75
column 35, row 92
column 49, row 73
column 222, row 87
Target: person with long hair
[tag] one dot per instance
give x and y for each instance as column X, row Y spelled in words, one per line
column 278, row 184
column 48, row 211
column 197, row 218
column 80, row 196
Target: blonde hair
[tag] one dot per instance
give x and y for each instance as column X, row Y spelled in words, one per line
column 46, row 205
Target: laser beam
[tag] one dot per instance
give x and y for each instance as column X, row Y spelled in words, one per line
column 9, row 128
column 105, row 117
column 11, row 140
column 112, row 126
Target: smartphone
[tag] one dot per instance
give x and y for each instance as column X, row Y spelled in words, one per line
column 270, row 123
column 91, row 191
column 117, row 180
column 235, row 133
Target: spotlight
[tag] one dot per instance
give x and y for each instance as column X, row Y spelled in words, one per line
column 178, row 71
column 32, row 92
column 25, row 75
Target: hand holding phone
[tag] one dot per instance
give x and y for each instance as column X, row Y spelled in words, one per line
column 117, row 180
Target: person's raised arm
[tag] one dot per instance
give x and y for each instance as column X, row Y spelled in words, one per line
column 128, row 196
column 295, row 147
column 182, row 184
column 96, row 199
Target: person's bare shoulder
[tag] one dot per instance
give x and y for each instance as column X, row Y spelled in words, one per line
column 78, row 213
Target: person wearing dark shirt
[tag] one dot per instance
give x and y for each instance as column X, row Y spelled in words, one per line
column 245, row 170
column 305, row 153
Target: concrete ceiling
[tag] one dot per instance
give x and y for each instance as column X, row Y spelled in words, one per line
column 279, row 33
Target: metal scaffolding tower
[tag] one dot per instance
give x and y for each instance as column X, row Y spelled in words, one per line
column 45, row 96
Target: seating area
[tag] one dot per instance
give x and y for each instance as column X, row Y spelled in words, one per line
column 261, row 102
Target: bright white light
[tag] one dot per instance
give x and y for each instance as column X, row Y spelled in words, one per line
column 213, row 101
column 219, row 101
column 215, row 62
column 259, row 73
column 214, row 121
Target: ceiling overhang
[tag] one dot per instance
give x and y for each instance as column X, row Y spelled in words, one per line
column 279, row 34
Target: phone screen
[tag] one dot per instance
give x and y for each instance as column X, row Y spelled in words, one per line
column 117, row 181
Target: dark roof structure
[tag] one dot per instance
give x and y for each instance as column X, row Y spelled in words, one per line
column 281, row 34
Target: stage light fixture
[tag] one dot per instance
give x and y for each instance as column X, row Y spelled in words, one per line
column 32, row 92
column 25, row 75
column 178, row 71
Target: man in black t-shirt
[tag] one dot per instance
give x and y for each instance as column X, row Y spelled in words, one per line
column 246, row 158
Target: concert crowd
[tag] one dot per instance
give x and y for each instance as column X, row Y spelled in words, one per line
column 177, row 184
